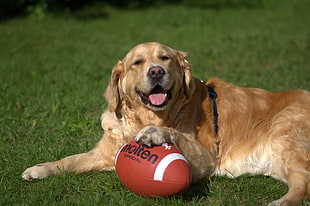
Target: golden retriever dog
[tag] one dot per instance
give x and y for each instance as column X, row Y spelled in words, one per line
column 221, row 129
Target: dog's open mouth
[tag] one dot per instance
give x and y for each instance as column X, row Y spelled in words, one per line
column 158, row 97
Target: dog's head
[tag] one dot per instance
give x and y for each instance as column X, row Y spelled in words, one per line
column 152, row 75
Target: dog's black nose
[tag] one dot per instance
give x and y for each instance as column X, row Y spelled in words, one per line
column 156, row 72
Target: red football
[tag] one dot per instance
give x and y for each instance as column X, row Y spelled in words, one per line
column 157, row 171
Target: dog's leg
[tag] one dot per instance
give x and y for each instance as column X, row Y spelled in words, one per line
column 99, row 159
column 308, row 190
column 201, row 162
column 298, row 183
column 292, row 165
column 78, row 163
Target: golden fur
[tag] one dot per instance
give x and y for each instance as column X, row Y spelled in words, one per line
column 260, row 132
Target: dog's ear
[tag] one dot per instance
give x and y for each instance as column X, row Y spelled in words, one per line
column 112, row 93
column 189, row 86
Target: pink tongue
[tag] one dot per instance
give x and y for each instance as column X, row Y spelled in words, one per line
column 157, row 99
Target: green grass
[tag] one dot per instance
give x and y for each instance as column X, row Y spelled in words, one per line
column 53, row 72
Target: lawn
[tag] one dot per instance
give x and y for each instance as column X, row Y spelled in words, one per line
column 53, row 72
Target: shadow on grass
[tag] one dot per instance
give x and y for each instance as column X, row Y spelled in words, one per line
column 194, row 193
column 197, row 191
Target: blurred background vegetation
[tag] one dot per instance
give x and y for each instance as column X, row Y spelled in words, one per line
column 13, row 8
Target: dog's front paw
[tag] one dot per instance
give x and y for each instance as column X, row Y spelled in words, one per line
column 38, row 171
column 151, row 135
column 280, row 202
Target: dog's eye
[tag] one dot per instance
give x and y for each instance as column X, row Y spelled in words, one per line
column 138, row 62
column 164, row 58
